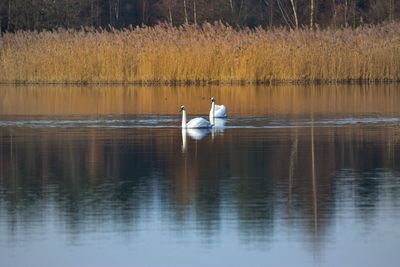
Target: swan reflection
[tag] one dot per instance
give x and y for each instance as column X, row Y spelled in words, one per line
column 198, row 134
column 201, row 133
column 195, row 134
column 219, row 126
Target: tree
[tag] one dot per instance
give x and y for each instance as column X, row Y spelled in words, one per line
column 169, row 5
column 312, row 9
column 295, row 13
column 186, row 13
column 290, row 19
column 50, row 14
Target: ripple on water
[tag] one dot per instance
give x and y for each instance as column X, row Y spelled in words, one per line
column 174, row 122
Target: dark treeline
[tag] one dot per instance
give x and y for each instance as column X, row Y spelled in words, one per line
column 50, row 14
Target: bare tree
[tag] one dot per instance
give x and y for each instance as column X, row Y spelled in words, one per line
column 270, row 5
column 295, row 13
column 185, row 12
column 289, row 20
column 194, row 12
column 232, row 9
column 168, row 6
column 312, row 10
column 116, row 10
column 113, row 6
column 170, row 12
column 9, row 15
column 391, row 10
column 334, row 12
column 271, row 14
column 353, row 8
column 144, row 6
column 67, row 12
column 94, row 13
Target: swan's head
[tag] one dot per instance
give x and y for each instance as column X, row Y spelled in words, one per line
column 212, row 99
column 182, row 108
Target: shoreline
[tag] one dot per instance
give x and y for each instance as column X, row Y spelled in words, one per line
column 206, row 83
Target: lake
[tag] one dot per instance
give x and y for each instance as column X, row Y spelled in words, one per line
column 105, row 176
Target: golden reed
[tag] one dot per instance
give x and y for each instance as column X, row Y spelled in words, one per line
column 211, row 53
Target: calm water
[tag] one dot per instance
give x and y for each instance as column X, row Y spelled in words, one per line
column 294, row 177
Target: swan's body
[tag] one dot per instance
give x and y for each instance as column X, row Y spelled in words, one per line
column 217, row 111
column 196, row 123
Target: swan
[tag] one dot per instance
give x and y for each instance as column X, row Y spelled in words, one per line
column 217, row 111
column 194, row 123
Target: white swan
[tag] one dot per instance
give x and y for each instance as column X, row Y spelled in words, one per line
column 194, row 123
column 217, row 111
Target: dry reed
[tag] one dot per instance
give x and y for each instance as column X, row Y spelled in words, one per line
column 211, row 53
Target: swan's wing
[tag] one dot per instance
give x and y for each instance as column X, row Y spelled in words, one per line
column 220, row 111
column 198, row 123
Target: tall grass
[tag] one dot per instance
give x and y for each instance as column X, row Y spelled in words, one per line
column 211, row 53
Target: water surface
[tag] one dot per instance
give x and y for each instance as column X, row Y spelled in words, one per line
column 296, row 176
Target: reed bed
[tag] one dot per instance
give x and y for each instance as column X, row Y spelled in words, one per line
column 207, row 54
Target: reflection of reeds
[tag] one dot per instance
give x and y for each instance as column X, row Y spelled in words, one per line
column 212, row 53
column 251, row 101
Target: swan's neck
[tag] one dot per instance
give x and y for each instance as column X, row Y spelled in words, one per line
column 183, row 118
